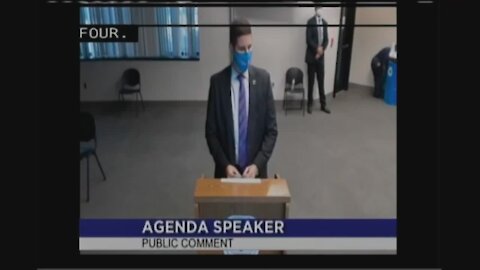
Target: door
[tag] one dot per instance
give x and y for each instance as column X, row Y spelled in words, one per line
column 344, row 52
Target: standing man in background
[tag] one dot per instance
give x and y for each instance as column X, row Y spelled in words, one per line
column 241, row 125
column 317, row 42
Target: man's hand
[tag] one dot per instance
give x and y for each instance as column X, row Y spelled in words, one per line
column 251, row 171
column 232, row 171
column 319, row 52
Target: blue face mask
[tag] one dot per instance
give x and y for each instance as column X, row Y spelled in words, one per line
column 242, row 60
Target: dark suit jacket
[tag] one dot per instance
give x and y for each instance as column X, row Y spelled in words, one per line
column 312, row 40
column 262, row 123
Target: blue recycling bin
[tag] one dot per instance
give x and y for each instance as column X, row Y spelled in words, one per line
column 390, row 96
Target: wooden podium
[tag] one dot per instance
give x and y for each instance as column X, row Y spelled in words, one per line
column 268, row 199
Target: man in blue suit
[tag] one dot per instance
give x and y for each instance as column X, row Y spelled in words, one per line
column 241, row 126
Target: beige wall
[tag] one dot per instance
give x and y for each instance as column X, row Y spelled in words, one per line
column 367, row 41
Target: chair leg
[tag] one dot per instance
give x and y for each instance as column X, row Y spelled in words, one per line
column 122, row 101
column 136, row 104
column 141, row 99
column 88, row 179
column 100, row 166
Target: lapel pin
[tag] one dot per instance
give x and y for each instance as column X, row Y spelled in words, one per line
column 254, row 82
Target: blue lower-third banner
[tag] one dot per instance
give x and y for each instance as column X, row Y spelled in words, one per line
column 238, row 228
column 242, row 235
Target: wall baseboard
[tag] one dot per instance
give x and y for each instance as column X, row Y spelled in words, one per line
column 360, row 85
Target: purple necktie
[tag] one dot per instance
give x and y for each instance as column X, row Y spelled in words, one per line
column 242, row 126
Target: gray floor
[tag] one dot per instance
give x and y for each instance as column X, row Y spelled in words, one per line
column 341, row 165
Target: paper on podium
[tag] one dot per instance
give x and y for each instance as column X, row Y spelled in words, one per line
column 241, row 180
